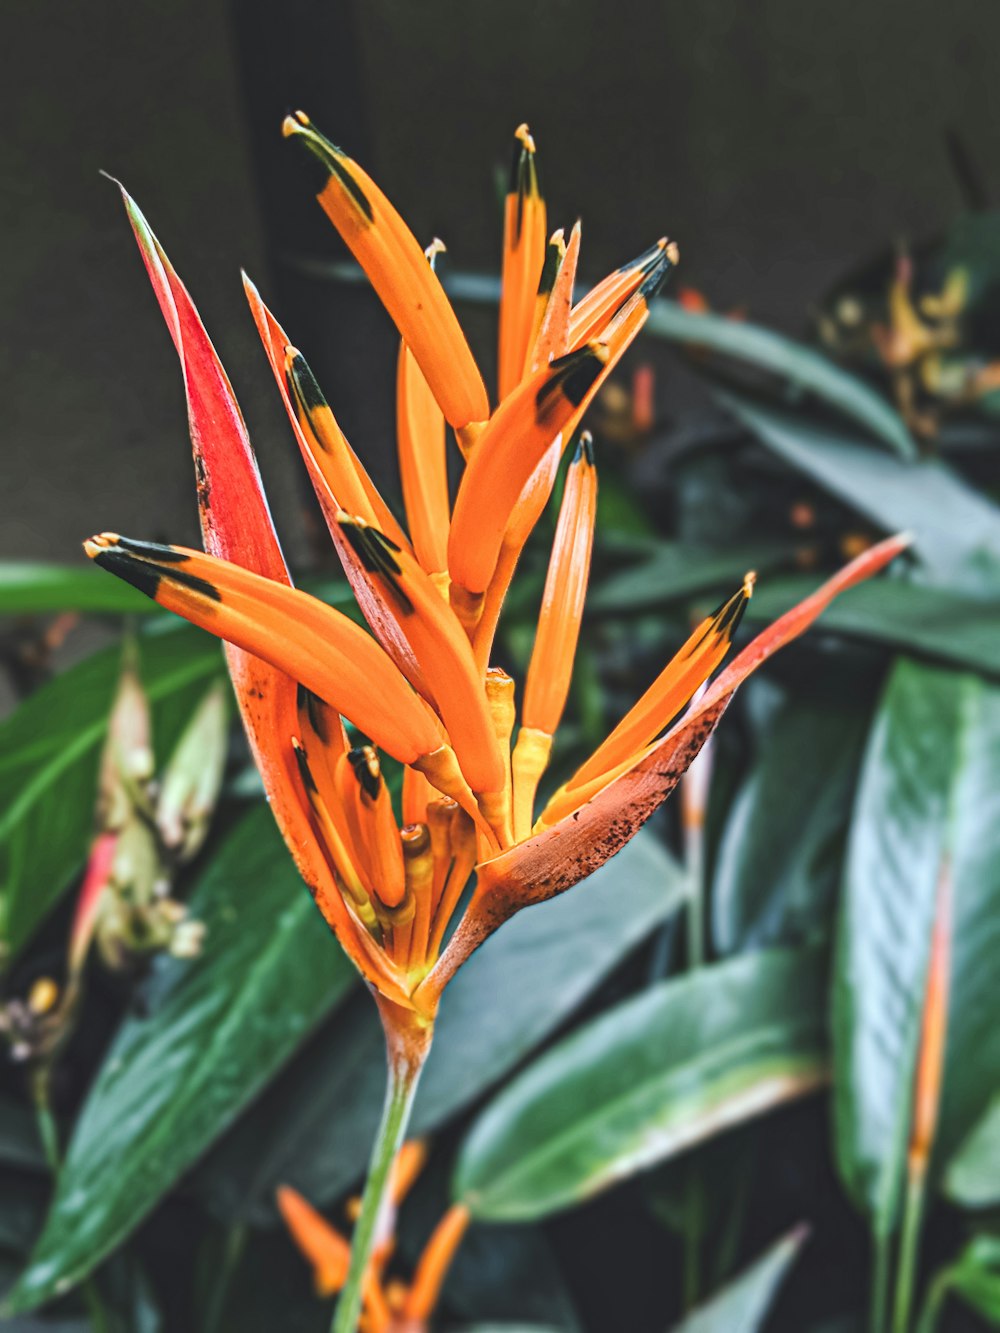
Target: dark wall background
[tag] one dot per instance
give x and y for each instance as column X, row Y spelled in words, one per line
column 777, row 142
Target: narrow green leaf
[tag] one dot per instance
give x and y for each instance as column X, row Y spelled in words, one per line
column 40, row 589
column 802, row 366
column 976, row 1276
column 49, row 754
column 217, row 1031
column 955, row 529
column 972, row 1178
column 677, row 570
column 645, row 1080
column 521, row 985
column 777, row 864
column 928, row 791
column 937, row 623
column 743, row 1304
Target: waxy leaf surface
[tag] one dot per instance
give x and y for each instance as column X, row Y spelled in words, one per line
column 648, row 1078
column 928, row 796
column 956, row 530
column 940, row 624
column 217, row 1029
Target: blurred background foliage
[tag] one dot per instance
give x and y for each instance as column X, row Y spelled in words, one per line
column 684, row 1096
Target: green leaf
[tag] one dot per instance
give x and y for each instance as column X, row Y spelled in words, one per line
column 976, row 1276
column 50, row 749
column 936, row 623
column 677, row 570
column 778, row 861
column 514, row 991
column 33, row 588
column 216, row 1031
column 955, row 529
column 743, row 1304
column 645, row 1080
column 972, row 1178
column 804, row 367
column 928, row 791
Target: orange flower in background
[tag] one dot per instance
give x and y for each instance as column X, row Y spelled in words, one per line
column 419, row 686
column 389, row 1305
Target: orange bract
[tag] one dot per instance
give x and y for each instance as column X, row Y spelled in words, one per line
column 417, row 684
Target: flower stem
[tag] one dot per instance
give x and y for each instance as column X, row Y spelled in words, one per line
column 880, row 1283
column 908, row 1247
column 406, row 1058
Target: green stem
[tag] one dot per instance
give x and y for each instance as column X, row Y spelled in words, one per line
column 880, row 1283
column 908, row 1248
column 49, row 1134
column 232, row 1252
column 934, row 1303
column 695, row 865
column 405, row 1061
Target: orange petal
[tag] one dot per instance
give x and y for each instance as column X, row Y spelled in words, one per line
column 324, row 1246
column 551, row 666
column 552, row 337
column 559, row 857
column 328, row 456
column 434, row 1263
column 377, row 831
column 593, row 311
column 396, row 266
column 673, row 688
column 422, row 464
column 523, row 260
column 509, row 450
column 309, row 641
column 410, row 1161
column 439, row 646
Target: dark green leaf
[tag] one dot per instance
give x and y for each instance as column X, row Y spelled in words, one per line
column 928, row 794
column 648, row 1078
column 940, row 624
column 973, row 1174
column 678, row 570
column 49, row 754
column 802, row 366
column 976, row 1276
column 510, row 996
column 778, row 859
column 217, row 1030
column 743, row 1304
column 955, row 529
column 39, row 589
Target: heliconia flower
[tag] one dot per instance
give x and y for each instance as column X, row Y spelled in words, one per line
column 418, row 684
column 388, row 1305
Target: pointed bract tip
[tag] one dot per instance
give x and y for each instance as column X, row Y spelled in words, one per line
column 523, row 135
column 749, row 582
column 672, row 251
column 585, row 448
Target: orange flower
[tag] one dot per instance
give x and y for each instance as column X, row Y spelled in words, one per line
column 388, row 1306
column 418, row 686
